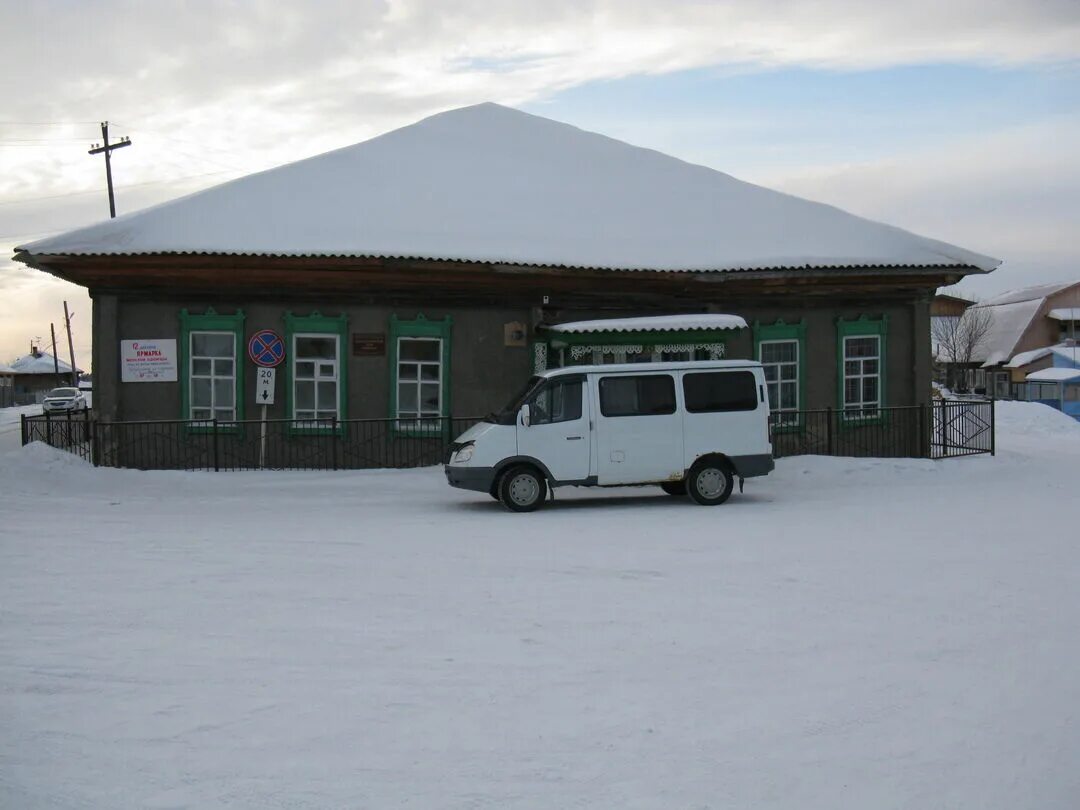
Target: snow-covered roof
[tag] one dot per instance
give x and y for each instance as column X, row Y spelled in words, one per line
column 6, row 369
column 1011, row 315
column 1054, row 375
column 1007, row 325
column 1036, row 292
column 42, row 363
column 659, row 323
column 1069, row 352
column 1065, row 314
column 492, row 184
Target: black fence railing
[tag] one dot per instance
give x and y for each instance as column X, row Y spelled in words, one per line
column 274, row 444
column 941, row 430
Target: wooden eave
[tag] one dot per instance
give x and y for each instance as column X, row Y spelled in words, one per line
column 364, row 277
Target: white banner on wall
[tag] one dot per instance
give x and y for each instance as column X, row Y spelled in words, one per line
column 149, row 360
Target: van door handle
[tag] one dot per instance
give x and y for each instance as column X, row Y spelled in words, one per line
column 573, row 438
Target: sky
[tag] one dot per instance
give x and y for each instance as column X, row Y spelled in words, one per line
column 954, row 120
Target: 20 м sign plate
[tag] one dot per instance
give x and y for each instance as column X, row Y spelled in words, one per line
column 266, row 350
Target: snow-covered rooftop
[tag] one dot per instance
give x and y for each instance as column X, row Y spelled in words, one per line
column 493, row 184
column 1068, row 351
column 659, row 323
column 1036, row 292
column 1054, row 375
column 1065, row 314
column 41, row 363
column 6, row 369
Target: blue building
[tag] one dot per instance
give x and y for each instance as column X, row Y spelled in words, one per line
column 1059, row 384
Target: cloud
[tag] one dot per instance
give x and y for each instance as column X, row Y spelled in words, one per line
column 1013, row 194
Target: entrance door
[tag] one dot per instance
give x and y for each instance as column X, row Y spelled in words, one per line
column 639, row 434
column 558, row 431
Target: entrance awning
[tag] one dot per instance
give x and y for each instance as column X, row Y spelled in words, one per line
column 659, row 323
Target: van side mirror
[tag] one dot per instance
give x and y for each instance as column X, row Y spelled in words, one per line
column 523, row 415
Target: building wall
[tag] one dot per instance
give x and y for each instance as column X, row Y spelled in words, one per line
column 485, row 373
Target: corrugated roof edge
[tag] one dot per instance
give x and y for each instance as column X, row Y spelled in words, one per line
column 24, row 256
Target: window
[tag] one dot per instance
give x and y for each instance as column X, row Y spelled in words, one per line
column 315, row 378
column 558, row 401
column 420, row 375
column 316, row 384
column 212, row 374
column 719, row 392
column 862, row 377
column 861, row 374
column 780, row 348
column 780, row 359
column 649, row 395
column 419, row 393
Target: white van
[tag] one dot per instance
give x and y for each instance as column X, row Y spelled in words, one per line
column 690, row 427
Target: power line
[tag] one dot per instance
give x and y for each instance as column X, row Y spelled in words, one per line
column 122, row 188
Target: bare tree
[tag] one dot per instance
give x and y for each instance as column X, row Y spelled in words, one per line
column 957, row 342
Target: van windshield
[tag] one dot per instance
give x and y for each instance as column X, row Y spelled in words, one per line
column 508, row 415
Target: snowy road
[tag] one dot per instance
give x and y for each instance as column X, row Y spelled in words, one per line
column 863, row 634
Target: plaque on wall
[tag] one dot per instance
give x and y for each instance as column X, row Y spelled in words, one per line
column 514, row 334
column 368, row 344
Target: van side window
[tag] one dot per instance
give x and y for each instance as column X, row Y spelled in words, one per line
column 643, row 395
column 720, row 391
column 556, row 402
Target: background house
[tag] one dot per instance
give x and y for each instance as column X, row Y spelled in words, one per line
column 1022, row 321
column 426, row 272
column 7, row 386
column 35, row 374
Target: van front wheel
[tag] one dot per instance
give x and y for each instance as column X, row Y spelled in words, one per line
column 710, row 482
column 522, row 489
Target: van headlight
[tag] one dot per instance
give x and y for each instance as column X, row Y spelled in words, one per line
column 463, row 455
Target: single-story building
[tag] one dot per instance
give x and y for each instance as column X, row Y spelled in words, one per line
column 431, row 270
column 37, row 373
column 7, row 386
column 1022, row 321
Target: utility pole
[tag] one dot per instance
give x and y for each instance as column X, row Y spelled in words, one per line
column 71, row 347
column 56, row 363
column 107, row 148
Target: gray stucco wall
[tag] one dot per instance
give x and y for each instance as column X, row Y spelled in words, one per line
column 485, row 372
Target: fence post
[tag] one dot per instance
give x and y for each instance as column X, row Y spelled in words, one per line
column 22, row 428
column 924, row 440
column 95, row 444
column 831, row 450
column 217, row 462
column 48, row 429
column 993, row 433
column 335, row 441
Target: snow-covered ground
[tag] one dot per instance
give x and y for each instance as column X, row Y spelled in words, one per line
column 846, row 634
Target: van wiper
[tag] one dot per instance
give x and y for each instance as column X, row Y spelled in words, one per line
column 492, row 417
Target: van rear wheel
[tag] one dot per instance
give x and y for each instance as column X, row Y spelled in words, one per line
column 674, row 488
column 522, row 489
column 710, row 482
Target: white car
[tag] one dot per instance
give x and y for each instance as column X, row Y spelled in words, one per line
column 64, row 400
column 690, row 427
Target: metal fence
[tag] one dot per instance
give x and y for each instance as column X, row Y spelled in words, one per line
column 941, row 430
column 275, row 444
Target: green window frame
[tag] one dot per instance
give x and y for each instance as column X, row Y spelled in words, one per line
column 211, row 321
column 853, row 366
column 316, row 325
column 419, row 328
column 782, row 332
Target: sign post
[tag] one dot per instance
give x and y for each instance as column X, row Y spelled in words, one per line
column 266, row 350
